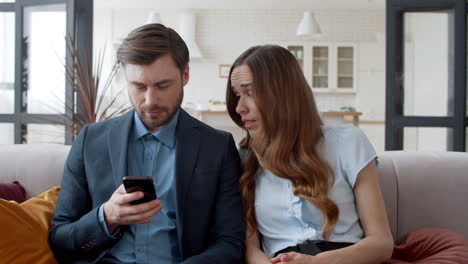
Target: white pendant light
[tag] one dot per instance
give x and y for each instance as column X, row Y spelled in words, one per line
column 308, row 26
column 153, row 17
column 187, row 30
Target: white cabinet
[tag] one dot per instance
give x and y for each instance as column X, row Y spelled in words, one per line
column 328, row 67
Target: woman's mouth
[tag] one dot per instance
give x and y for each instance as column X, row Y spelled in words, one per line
column 249, row 124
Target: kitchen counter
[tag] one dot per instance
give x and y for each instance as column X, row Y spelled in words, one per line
column 338, row 116
column 327, row 116
column 221, row 120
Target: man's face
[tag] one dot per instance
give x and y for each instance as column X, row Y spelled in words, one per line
column 156, row 90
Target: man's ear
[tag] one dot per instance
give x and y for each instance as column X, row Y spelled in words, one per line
column 185, row 75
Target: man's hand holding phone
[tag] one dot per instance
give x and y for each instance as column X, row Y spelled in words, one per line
column 119, row 210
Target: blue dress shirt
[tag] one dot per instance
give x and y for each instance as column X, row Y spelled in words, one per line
column 151, row 154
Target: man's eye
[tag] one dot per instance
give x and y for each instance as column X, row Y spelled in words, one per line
column 164, row 85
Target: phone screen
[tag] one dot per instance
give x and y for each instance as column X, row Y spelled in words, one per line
column 140, row 183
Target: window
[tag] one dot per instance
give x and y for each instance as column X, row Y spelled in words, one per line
column 7, row 62
column 35, row 98
column 426, row 75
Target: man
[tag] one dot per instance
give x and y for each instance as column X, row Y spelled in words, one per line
column 198, row 216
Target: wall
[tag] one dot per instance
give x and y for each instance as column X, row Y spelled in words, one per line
column 370, row 97
column 223, row 34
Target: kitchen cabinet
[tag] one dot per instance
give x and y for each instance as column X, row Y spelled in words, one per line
column 328, row 67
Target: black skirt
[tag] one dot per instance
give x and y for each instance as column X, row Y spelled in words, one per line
column 314, row 248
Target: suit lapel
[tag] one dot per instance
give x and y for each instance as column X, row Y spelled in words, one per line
column 118, row 144
column 188, row 141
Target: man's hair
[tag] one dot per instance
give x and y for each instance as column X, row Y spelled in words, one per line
column 147, row 43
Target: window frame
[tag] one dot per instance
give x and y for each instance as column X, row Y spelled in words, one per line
column 79, row 25
column 395, row 120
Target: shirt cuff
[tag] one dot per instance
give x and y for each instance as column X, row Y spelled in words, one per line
column 103, row 224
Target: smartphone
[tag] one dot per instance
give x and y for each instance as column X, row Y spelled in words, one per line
column 140, row 183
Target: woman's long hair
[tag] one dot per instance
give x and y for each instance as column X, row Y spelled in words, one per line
column 291, row 129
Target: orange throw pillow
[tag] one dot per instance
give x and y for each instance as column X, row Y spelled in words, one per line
column 24, row 229
column 431, row 246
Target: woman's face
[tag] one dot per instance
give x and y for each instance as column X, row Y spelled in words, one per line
column 242, row 85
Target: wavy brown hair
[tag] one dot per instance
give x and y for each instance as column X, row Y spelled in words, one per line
column 291, row 129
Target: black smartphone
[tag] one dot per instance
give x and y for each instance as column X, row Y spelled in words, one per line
column 140, row 183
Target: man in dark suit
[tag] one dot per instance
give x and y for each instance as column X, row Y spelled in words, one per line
column 197, row 217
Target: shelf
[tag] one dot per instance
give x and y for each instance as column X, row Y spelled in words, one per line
column 333, row 91
column 214, row 112
column 341, row 113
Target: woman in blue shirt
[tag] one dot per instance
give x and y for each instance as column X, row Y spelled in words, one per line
column 310, row 192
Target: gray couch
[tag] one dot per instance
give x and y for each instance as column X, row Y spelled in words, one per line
column 38, row 167
column 425, row 189
column 420, row 189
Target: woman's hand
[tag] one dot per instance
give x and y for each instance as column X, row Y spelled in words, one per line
column 253, row 253
column 296, row 258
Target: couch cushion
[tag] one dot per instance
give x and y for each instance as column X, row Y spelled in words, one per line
column 12, row 191
column 431, row 246
column 25, row 229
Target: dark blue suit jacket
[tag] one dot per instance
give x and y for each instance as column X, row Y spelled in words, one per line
column 210, row 224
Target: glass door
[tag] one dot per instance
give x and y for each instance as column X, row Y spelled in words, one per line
column 345, row 68
column 298, row 52
column 426, row 80
column 320, row 65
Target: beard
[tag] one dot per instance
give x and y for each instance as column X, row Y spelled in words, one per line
column 165, row 113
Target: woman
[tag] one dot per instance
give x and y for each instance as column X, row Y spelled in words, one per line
column 310, row 192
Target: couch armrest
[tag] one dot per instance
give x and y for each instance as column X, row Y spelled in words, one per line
column 431, row 190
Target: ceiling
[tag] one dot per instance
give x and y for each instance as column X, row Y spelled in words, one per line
column 243, row 4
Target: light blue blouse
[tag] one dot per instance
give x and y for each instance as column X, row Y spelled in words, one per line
column 285, row 219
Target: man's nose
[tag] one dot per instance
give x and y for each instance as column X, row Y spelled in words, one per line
column 151, row 97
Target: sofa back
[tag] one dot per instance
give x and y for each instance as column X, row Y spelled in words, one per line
column 420, row 189
column 37, row 167
column 425, row 189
